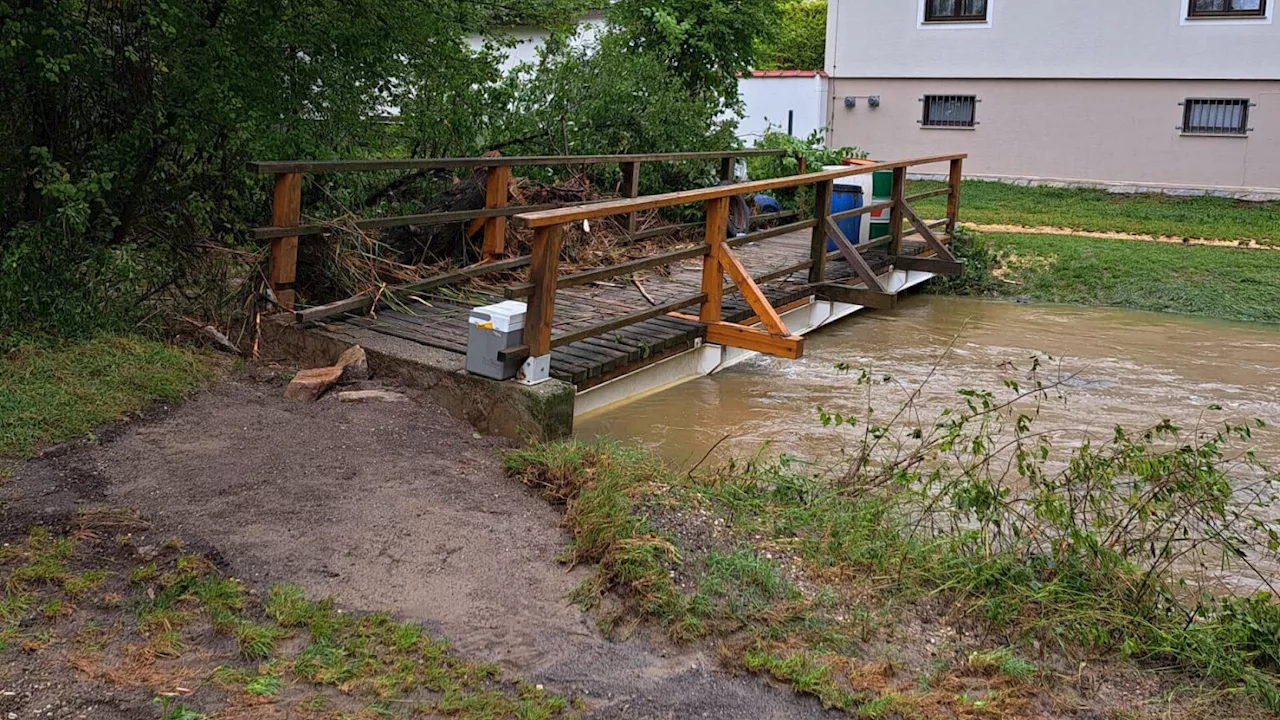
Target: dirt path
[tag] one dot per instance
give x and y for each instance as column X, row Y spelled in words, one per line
column 1168, row 240
column 1043, row 230
column 385, row 507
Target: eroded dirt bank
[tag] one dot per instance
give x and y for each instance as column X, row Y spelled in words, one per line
column 384, row 507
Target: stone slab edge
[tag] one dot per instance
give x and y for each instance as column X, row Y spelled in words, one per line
column 504, row 409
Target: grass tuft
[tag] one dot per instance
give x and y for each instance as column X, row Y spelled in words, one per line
column 1100, row 211
column 1046, row 555
column 50, row 395
column 1226, row 283
column 1002, row 661
column 176, row 599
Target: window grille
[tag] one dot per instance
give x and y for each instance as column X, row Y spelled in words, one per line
column 949, row 111
column 958, row 10
column 1226, row 8
column 1206, row 116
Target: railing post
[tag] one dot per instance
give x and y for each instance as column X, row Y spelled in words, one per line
column 631, row 189
column 896, row 215
column 818, row 247
column 953, row 199
column 712, row 273
column 497, row 180
column 803, row 161
column 286, row 211
column 544, row 273
column 726, row 168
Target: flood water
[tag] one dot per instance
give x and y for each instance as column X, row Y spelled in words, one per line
column 1124, row 368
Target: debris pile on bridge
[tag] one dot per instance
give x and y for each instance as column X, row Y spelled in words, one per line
column 360, row 260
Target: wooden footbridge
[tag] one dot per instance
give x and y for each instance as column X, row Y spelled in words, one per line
column 591, row 327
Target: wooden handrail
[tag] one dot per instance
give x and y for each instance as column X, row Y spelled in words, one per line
column 718, row 258
column 440, row 218
column 286, row 221
column 319, row 167
column 523, row 290
column 547, row 218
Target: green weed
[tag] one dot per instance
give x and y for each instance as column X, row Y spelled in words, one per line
column 52, row 610
column 85, row 583
column 805, row 674
column 143, row 573
column 13, row 607
column 1002, row 661
column 741, row 585
column 263, row 686
column 257, row 642
column 170, row 710
column 161, row 620
column 596, row 483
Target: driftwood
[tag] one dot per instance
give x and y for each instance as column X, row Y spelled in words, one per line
column 211, row 333
column 432, row 244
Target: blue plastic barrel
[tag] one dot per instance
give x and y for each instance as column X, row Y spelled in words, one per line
column 846, row 197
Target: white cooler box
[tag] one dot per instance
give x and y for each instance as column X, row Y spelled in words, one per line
column 491, row 329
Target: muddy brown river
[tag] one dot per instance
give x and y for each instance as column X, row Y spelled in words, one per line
column 1124, row 368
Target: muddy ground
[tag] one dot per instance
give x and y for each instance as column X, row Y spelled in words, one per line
column 383, row 507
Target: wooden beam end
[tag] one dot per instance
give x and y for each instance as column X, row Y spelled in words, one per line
column 858, row 296
column 789, row 347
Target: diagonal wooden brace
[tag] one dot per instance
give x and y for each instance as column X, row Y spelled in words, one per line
column 853, row 257
column 929, row 238
column 751, row 292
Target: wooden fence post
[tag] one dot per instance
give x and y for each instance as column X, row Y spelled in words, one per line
column 953, row 199
column 896, row 214
column 544, row 274
column 818, row 247
column 726, row 168
column 286, row 211
column 631, row 189
column 496, row 183
column 712, row 273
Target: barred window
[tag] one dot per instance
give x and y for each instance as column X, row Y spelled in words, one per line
column 949, row 111
column 1226, row 8
column 958, row 10
column 1206, row 116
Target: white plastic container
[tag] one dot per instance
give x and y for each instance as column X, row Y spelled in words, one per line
column 492, row 329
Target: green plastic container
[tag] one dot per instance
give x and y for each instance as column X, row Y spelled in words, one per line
column 881, row 192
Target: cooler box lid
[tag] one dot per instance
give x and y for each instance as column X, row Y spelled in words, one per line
column 504, row 317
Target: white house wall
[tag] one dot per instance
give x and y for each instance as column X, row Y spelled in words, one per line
column 769, row 101
column 1114, row 39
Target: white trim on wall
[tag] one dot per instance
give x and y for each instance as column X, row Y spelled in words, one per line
column 1184, row 15
column 922, row 25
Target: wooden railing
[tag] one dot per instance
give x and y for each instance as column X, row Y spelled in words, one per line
column 286, row 225
column 719, row 259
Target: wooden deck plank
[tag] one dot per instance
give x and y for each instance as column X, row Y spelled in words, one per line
column 591, row 361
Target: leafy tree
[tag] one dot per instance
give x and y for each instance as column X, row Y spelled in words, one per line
column 706, row 43
column 129, row 122
column 801, row 40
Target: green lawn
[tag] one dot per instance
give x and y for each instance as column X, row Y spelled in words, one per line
column 48, row 395
column 1098, row 210
column 1227, row 283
